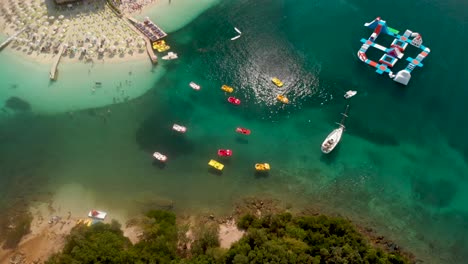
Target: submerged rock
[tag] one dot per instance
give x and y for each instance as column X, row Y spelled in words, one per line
column 17, row 104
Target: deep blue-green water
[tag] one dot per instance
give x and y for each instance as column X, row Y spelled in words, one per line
column 401, row 166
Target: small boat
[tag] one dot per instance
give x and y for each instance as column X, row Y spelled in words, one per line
column 179, row 128
column 224, row 152
column 227, row 89
column 98, row 83
column 244, row 131
column 86, row 222
column 160, row 156
column 195, row 86
column 101, row 215
column 350, row 94
column 332, row 140
column 216, row 165
column 234, row 100
column 282, row 99
column 262, row 167
column 237, row 30
column 170, row 56
column 277, row 82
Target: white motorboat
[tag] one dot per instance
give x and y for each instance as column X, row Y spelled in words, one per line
column 334, row 137
column 195, row 86
column 237, row 30
column 100, row 215
column 179, row 128
column 170, row 56
column 160, row 156
column 350, row 94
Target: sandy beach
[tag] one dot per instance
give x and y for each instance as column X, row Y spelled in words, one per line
column 52, row 221
column 89, row 31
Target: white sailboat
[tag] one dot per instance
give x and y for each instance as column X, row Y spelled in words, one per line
column 334, row 137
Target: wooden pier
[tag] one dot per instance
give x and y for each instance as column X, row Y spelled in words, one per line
column 149, row 47
column 8, row 40
column 53, row 70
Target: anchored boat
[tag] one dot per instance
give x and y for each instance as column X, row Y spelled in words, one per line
column 179, row 128
column 159, row 156
column 277, row 82
column 350, row 94
column 262, row 166
column 283, row 99
column 217, row 165
column 194, row 86
column 233, row 100
column 334, row 137
column 242, row 130
column 224, row 152
column 227, row 89
column 170, row 56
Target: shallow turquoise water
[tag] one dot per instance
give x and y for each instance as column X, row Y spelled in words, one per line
column 402, row 164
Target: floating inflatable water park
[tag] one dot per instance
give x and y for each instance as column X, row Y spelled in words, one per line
column 395, row 52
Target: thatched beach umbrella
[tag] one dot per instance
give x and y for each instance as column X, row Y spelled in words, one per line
column 61, row 17
column 51, row 18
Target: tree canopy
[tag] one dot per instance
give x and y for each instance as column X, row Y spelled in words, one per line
column 280, row 238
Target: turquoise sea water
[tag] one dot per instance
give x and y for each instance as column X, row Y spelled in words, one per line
column 401, row 166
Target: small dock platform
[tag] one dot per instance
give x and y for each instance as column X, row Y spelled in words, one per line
column 149, row 29
column 53, row 69
column 149, row 48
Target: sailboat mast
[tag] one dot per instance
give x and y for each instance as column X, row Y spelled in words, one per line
column 345, row 115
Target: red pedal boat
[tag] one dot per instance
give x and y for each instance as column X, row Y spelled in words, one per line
column 234, row 100
column 244, row 131
column 224, row 152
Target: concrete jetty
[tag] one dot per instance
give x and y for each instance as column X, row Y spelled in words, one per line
column 53, row 70
column 8, row 40
column 149, row 47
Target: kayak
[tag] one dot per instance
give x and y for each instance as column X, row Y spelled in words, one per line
column 262, row 166
column 224, row 152
column 244, row 131
column 159, row 156
column 234, row 100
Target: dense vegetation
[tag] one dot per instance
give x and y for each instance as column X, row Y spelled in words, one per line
column 279, row 238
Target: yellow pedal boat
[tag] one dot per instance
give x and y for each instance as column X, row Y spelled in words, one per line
column 262, row 166
column 86, row 222
column 227, row 89
column 216, row 165
column 282, row 99
column 277, row 82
